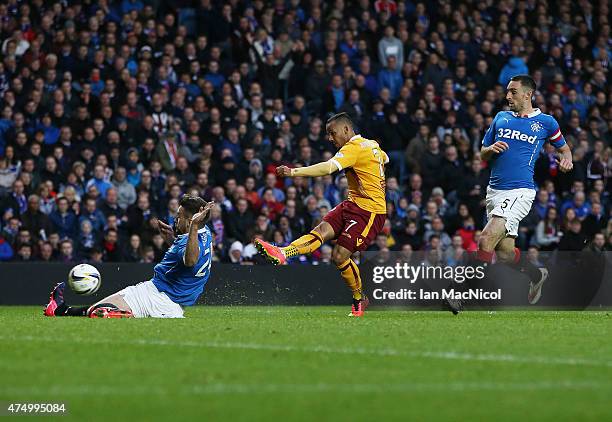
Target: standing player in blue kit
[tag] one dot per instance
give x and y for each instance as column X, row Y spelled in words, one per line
column 512, row 145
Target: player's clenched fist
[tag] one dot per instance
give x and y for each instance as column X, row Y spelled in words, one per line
column 499, row 146
column 565, row 165
column 283, row 171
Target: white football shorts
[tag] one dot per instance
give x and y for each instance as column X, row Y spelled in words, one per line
column 513, row 205
column 146, row 301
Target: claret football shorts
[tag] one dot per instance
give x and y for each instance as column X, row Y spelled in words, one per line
column 354, row 227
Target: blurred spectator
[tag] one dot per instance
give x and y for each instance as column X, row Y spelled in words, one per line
column 66, row 251
column 533, row 255
column 6, row 251
column 24, row 253
column 548, row 233
column 96, row 256
column 235, row 252
column 455, row 254
column 121, row 108
column 46, row 252
column 573, row 239
column 467, row 232
column 126, row 194
column 140, row 218
column 111, row 248
column 390, row 46
column 595, row 222
column 87, row 240
column 217, row 228
column 410, row 236
column 36, row 222
column 99, row 181
column 240, row 219
column 110, row 205
column 16, row 201
column 325, row 257
column 515, row 66
column 8, row 175
column 578, row 204
column 159, row 247
column 133, row 251
column 63, row 219
column 391, row 78
column 93, row 215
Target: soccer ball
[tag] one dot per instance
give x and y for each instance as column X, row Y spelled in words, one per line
column 84, row 279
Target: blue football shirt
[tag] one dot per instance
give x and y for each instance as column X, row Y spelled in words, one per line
column 181, row 283
column 525, row 136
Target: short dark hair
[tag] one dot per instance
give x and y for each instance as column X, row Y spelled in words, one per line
column 192, row 204
column 526, row 81
column 341, row 118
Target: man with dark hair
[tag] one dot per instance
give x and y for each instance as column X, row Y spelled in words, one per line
column 63, row 219
column 111, row 247
column 178, row 280
column 526, row 82
column 355, row 222
column 512, row 144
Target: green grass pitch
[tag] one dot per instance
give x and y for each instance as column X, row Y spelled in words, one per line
column 312, row 363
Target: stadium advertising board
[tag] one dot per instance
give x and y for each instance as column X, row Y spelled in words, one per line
column 577, row 280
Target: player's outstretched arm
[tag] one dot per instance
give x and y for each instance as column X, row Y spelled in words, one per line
column 192, row 251
column 487, row 152
column 565, row 159
column 316, row 170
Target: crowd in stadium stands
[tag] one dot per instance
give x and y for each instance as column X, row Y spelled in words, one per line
column 110, row 110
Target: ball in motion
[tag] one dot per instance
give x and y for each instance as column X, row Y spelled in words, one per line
column 84, row 279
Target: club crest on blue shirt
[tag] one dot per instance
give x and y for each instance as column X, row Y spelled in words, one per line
column 536, row 126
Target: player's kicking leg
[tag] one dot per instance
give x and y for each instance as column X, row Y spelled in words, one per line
column 311, row 242
column 353, row 228
column 304, row 245
column 110, row 307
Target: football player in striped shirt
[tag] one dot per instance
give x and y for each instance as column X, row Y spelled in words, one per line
column 355, row 222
